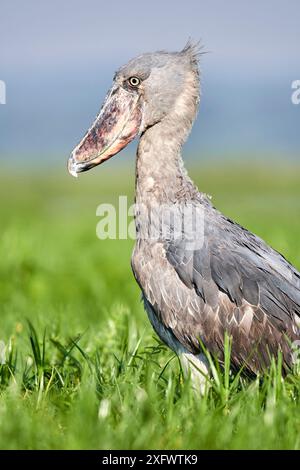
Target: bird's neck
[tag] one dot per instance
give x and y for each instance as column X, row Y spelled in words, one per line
column 160, row 172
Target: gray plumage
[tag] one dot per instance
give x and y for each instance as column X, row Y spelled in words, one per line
column 226, row 279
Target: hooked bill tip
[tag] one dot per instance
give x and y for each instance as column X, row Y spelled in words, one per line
column 72, row 167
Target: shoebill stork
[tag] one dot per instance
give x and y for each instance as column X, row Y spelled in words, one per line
column 211, row 277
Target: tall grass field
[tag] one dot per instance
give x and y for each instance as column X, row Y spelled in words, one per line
column 81, row 367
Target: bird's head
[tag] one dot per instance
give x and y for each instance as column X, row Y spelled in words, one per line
column 144, row 92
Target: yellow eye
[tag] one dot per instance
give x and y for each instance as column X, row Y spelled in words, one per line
column 134, row 81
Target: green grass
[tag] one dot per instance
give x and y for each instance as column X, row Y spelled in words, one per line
column 83, row 368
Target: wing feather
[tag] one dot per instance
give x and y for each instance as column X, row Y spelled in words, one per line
column 248, row 289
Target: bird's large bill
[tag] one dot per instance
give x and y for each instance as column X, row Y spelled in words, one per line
column 116, row 125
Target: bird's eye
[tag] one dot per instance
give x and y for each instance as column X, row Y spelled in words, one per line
column 134, row 81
